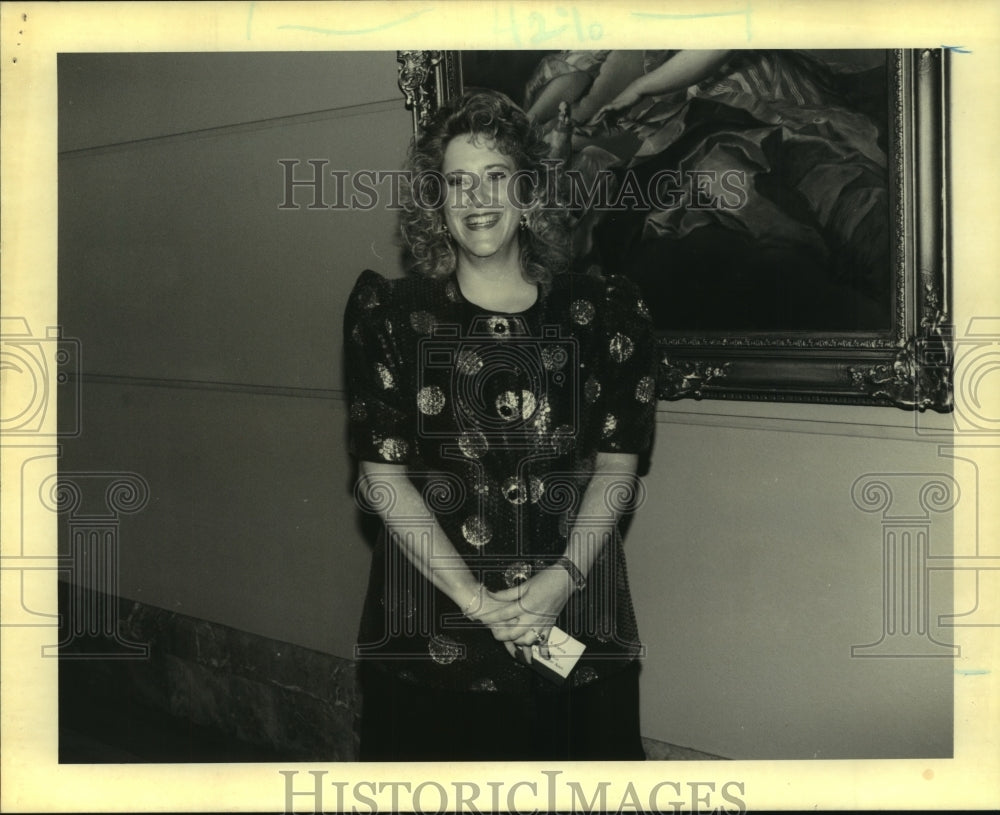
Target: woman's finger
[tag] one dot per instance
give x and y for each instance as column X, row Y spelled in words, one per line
column 507, row 595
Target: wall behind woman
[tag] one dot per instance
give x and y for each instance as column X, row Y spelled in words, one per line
column 210, row 323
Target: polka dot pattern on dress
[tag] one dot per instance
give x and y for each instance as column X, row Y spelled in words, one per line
column 473, row 444
column 469, row 362
column 621, row 347
column 430, row 400
column 393, row 449
column 645, row 390
column 444, row 650
column 511, row 407
column 477, row 532
column 554, row 358
column 517, row 573
column 515, row 490
column 581, row 312
column 422, row 322
column 385, row 376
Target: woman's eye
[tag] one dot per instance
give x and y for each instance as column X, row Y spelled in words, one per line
column 496, row 175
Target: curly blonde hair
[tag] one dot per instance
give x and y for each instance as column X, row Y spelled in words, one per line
column 545, row 240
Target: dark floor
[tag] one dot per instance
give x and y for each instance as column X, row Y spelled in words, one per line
column 102, row 733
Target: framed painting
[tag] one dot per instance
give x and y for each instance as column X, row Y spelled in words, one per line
column 783, row 212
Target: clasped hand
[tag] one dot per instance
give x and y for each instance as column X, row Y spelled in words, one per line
column 523, row 615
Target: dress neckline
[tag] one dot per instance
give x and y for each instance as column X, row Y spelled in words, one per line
column 539, row 296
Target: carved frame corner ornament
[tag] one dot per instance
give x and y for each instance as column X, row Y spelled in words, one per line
column 909, row 364
column 427, row 78
column 918, row 377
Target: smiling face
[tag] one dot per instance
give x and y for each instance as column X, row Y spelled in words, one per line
column 480, row 210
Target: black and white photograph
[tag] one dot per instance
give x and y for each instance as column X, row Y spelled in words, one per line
column 480, row 429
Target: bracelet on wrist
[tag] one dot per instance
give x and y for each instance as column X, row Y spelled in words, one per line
column 578, row 578
column 473, row 602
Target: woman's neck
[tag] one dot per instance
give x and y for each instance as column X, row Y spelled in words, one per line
column 496, row 287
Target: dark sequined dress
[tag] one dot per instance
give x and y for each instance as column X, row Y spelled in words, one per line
column 499, row 418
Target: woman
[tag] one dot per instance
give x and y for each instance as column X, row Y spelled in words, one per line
column 498, row 408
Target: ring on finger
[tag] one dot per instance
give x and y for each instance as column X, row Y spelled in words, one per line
column 539, row 638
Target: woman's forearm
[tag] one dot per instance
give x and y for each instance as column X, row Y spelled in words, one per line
column 602, row 504
column 682, row 70
column 413, row 527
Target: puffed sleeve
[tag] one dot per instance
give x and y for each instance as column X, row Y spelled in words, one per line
column 382, row 422
column 629, row 362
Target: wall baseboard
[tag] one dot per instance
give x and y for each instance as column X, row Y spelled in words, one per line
column 220, row 693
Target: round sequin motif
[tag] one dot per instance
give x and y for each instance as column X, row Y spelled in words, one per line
column 543, row 415
column 469, row 362
column 473, row 445
column 621, row 347
column 516, row 573
column 591, row 390
column 535, row 489
column 388, row 327
column 444, row 650
column 368, row 298
column 554, row 358
column 499, row 326
column 485, row 685
column 357, row 336
column 584, row 675
column 515, row 491
column 510, row 407
column 476, row 531
column 422, row 322
column 645, row 390
column 430, row 400
column 581, row 311
column 393, row 449
column 359, row 411
column 385, row 376
column 642, row 308
column 610, row 423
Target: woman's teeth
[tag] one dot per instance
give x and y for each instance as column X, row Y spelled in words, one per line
column 482, row 221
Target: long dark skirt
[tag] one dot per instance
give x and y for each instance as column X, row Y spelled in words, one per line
column 406, row 722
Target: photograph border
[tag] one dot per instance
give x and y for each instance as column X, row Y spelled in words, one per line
column 34, row 779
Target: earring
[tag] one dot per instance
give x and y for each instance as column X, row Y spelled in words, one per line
column 524, row 221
